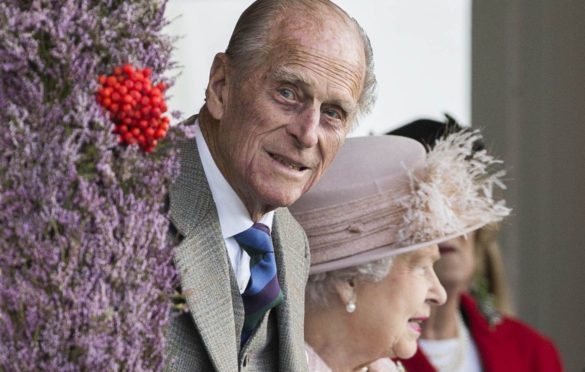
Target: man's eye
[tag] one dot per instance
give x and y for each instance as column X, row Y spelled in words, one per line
column 335, row 114
column 287, row 93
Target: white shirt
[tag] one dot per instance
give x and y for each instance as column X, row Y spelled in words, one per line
column 455, row 354
column 233, row 215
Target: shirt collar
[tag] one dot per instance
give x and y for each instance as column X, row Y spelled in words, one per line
column 233, row 215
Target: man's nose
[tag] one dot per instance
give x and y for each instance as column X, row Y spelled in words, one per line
column 305, row 127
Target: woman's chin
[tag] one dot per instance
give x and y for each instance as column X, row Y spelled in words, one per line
column 406, row 350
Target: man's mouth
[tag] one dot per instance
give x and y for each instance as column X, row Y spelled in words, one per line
column 288, row 162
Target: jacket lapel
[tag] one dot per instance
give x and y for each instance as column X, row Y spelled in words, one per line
column 292, row 262
column 202, row 261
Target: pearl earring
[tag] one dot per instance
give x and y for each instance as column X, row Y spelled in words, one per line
column 350, row 307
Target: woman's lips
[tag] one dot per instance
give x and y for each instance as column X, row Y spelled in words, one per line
column 415, row 324
column 415, row 327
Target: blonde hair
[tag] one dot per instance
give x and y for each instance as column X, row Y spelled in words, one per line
column 490, row 271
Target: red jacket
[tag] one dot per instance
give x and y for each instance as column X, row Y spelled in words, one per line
column 509, row 346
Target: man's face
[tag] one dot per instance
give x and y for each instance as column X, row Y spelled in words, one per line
column 282, row 123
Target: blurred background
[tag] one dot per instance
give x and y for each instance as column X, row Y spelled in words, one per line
column 515, row 69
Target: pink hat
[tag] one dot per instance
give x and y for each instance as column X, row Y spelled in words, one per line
column 384, row 195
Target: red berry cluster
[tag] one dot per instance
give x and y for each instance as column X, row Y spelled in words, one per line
column 135, row 106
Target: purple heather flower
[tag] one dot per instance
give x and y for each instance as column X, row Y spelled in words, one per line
column 86, row 269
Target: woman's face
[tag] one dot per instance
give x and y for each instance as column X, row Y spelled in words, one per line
column 389, row 312
column 457, row 264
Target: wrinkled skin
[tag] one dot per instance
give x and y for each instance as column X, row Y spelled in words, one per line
column 390, row 311
column 274, row 129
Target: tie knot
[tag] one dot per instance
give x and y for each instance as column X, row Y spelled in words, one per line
column 255, row 240
column 262, row 227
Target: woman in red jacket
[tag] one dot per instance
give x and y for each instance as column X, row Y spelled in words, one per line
column 469, row 335
column 474, row 333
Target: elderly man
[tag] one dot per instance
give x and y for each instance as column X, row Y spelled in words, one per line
column 279, row 103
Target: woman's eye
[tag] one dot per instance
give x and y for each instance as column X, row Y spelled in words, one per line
column 287, row 93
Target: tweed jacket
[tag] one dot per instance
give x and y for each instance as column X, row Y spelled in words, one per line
column 208, row 337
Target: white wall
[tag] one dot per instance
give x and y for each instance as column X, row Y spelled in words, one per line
column 421, row 51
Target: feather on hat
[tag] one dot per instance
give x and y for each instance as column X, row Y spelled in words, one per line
column 383, row 195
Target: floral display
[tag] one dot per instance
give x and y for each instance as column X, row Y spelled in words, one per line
column 86, row 271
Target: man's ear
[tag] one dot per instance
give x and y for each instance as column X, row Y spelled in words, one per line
column 216, row 94
column 346, row 291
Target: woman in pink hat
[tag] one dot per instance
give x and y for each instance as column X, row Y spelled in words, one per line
column 373, row 224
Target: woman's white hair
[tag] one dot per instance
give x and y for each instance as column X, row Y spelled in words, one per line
column 321, row 287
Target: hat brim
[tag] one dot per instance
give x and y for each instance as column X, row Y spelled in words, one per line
column 383, row 252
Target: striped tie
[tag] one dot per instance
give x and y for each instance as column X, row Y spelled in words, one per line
column 263, row 291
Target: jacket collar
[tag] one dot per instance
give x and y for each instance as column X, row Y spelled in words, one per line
column 204, row 272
